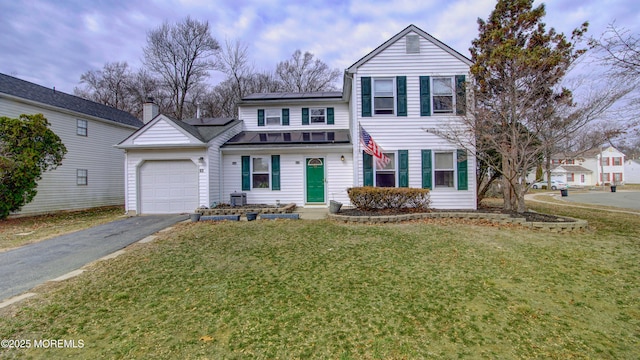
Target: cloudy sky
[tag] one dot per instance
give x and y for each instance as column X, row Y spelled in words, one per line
column 52, row 43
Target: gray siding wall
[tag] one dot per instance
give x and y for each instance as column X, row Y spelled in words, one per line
column 96, row 153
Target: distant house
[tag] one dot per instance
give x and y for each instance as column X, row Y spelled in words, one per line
column 597, row 166
column 91, row 173
column 309, row 148
column 632, row 171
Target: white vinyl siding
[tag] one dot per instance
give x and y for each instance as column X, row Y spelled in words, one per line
column 339, row 177
column 413, row 132
column 162, row 133
column 58, row 189
column 249, row 114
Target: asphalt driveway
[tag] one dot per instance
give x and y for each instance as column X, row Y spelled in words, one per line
column 622, row 199
column 26, row 267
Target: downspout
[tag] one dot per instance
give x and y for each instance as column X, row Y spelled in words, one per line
column 126, row 182
column 355, row 136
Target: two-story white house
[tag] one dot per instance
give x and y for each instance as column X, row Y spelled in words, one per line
column 307, row 148
column 598, row 166
column 91, row 174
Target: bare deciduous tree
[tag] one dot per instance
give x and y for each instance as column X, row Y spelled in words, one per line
column 303, row 73
column 182, row 55
column 108, row 86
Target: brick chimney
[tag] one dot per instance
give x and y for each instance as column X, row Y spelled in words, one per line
column 149, row 110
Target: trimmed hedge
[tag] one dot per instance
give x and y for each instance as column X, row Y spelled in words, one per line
column 370, row 198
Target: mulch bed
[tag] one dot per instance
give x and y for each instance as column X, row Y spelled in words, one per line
column 528, row 215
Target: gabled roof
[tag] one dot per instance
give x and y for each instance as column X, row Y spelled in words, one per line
column 202, row 129
column 401, row 34
column 18, row 88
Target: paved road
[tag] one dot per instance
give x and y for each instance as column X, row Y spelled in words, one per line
column 621, row 199
column 26, row 267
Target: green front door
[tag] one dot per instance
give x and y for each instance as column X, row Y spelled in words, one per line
column 315, row 180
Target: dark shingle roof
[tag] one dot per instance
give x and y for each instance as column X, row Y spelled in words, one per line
column 30, row 91
column 205, row 129
column 293, row 96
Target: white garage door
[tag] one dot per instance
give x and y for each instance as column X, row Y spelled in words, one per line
column 168, row 187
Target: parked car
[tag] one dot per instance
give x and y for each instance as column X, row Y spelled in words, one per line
column 555, row 185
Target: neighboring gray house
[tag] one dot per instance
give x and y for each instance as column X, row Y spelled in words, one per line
column 91, row 173
column 632, row 171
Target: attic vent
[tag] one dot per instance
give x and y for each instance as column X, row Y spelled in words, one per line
column 413, row 44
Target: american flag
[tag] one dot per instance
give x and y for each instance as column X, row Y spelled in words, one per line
column 371, row 147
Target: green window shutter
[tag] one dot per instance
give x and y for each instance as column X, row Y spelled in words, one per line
column 285, row 117
column 426, row 169
column 305, row 116
column 461, row 97
column 401, row 91
column 246, row 173
column 260, row 117
column 463, row 177
column 367, row 169
column 425, row 96
column 403, row 168
column 365, row 84
column 330, row 116
column 275, row 172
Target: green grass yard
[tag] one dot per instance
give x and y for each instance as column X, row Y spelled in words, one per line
column 19, row 231
column 318, row 289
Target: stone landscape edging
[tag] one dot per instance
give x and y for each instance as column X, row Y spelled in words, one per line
column 575, row 225
column 244, row 210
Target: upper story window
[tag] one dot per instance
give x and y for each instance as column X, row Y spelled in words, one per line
column 273, row 116
column 443, row 95
column 318, row 115
column 617, row 161
column 383, row 96
column 81, row 127
column 604, row 161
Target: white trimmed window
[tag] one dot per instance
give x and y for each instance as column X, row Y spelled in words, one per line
column 383, row 97
column 260, row 172
column 443, row 95
column 617, row 161
column 82, row 177
column 318, row 115
column 386, row 177
column 81, row 127
column 444, row 169
column 273, row 116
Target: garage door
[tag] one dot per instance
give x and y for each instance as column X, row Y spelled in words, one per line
column 168, row 187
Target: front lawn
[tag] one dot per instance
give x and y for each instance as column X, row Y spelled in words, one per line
column 318, row 289
column 20, row 231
